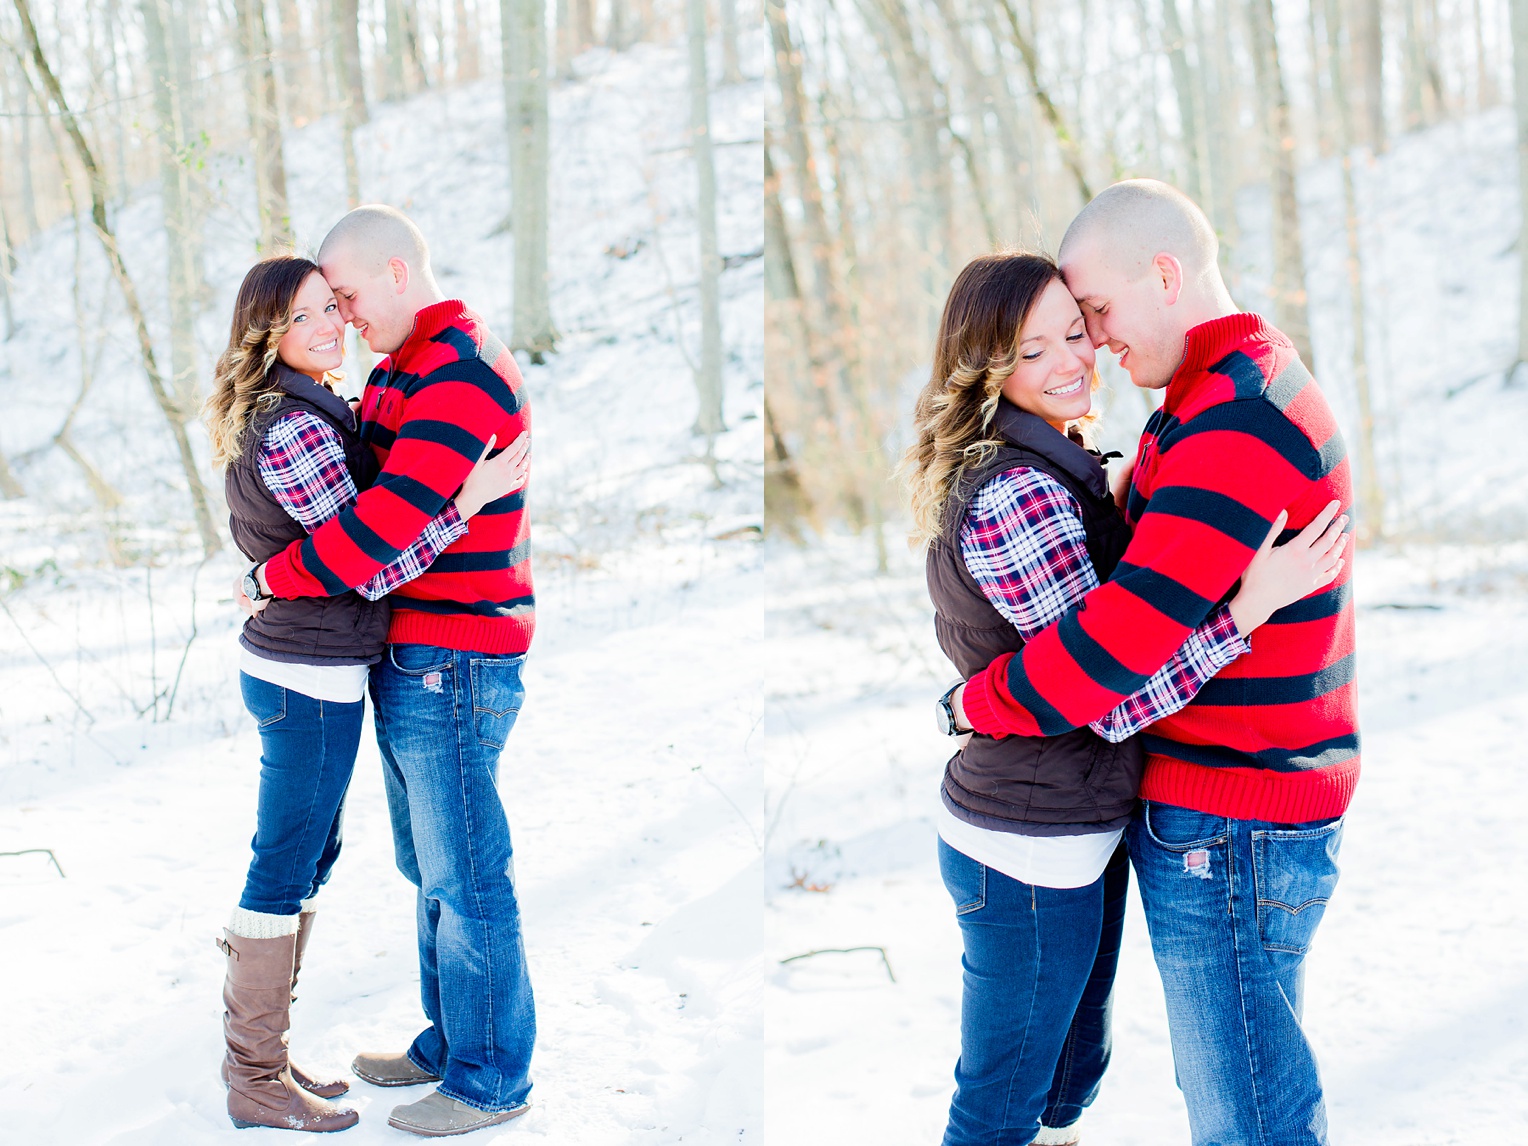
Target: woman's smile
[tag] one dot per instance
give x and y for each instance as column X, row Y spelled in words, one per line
column 1068, row 388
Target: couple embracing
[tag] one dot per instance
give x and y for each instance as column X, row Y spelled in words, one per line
column 391, row 555
column 1158, row 676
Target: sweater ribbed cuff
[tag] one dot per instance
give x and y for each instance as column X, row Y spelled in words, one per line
column 983, row 707
column 281, row 579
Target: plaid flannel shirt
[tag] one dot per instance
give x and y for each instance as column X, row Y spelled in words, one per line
column 1024, row 544
column 302, row 463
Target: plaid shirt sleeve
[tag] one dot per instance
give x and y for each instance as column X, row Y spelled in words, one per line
column 1025, row 546
column 302, row 463
column 1208, row 649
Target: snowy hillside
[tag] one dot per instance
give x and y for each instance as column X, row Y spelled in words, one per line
column 1415, row 992
column 632, row 777
column 1438, row 227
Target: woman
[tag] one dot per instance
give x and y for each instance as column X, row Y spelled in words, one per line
column 293, row 459
column 1016, row 512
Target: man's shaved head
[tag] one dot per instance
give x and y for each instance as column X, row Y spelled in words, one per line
column 1140, row 261
column 378, row 265
column 373, row 234
column 1130, row 223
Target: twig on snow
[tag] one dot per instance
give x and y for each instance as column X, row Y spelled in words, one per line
column 85, row 712
column 40, row 851
column 885, row 962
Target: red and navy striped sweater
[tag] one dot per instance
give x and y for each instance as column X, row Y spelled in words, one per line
column 1243, row 433
column 427, row 411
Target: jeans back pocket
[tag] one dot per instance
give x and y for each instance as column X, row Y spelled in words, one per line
column 1294, row 873
column 964, row 878
column 497, row 695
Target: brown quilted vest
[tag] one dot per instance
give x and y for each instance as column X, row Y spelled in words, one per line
column 1031, row 785
column 343, row 630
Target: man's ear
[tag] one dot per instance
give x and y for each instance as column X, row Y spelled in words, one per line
column 400, row 272
column 1170, row 272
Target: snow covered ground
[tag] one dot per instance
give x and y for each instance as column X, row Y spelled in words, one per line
column 632, row 778
column 1417, row 990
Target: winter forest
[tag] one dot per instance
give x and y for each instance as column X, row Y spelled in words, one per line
column 587, row 176
column 717, row 236
column 1360, row 163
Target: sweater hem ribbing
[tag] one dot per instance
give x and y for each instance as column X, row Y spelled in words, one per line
column 1251, row 793
column 496, row 636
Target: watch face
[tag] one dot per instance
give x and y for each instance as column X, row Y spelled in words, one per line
column 251, row 586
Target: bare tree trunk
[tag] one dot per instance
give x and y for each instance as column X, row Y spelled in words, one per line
column 347, row 61
column 927, row 114
column 525, row 105
column 1318, row 101
column 994, row 92
column 1371, row 493
column 7, row 264
column 1289, row 300
column 1369, row 45
column 732, row 72
column 1071, row 154
column 394, row 86
column 1188, row 111
column 265, row 126
column 708, row 378
column 1221, row 133
column 28, row 188
column 205, row 527
column 114, row 93
column 175, row 193
column 1486, row 94
column 468, row 60
column 413, row 46
column 615, row 30
column 583, row 23
column 1520, row 102
column 824, row 311
column 296, row 78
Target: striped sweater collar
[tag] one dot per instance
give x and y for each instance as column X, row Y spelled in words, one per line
column 1209, row 342
column 431, row 321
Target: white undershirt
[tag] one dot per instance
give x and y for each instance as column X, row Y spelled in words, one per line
column 1042, row 861
column 338, row 684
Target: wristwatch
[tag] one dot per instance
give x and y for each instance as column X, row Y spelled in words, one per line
column 252, row 585
column 946, row 714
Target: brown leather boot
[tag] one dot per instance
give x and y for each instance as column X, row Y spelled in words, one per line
column 324, row 1087
column 257, row 994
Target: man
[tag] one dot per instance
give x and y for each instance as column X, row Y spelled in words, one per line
column 447, row 692
column 1236, row 839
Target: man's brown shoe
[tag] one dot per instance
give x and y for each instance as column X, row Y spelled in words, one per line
column 390, row 1070
column 436, row 1116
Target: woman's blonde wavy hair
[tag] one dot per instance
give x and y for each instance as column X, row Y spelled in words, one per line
column 977, row 348
column 243, row 381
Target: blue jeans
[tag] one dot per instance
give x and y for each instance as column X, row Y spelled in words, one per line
column 307, row 753
column 1232, row 907
column 1039, row 968
column 442, row 719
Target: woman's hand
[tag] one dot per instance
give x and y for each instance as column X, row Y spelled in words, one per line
column 1119, row 480
column 493, row 478
column 1281, row 575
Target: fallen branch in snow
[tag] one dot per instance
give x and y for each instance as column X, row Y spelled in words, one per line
column 885, row 962
column 185, row 652
column 85, row 712
column 40, row 851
